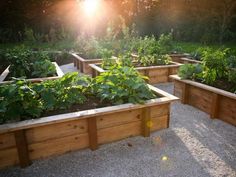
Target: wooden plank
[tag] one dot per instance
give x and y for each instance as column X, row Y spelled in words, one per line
column 158, row 72
column 214, row 106
column 58, row 146
column 4, row 74
column 92, row 129
column 7, row 140
column 227, row 111
column 22, row 148
column 160, row 110
column 111, row 134
column 158, row 79
column 8, row 157
column 57, row 130
column 159, row 123
column 115, row 119
column 146, row 122
column 200, row 98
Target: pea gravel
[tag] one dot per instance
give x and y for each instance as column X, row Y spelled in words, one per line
column 193, row 146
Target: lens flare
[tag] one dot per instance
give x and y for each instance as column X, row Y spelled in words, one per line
column 90, row 7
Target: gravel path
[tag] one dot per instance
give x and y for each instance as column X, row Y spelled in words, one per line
column 193, row 146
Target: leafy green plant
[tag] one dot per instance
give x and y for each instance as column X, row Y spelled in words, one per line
column 20, row 61
column 165, row 44
column 125, row 60
column 154, row 60
column 19, row 101
column 190, row 71
column 26, row 63
column 122, row 85
column 232, row 79
column 231, row 61
column 107, row 60
column 43, row 68
column 23, row 100
column 215, row 64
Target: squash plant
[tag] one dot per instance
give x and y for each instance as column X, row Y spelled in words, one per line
column 122, row 85
column 24, row 100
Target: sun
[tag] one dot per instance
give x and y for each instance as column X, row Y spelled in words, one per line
column 90, row 7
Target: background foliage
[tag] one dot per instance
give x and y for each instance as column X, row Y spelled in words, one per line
column 53, row 20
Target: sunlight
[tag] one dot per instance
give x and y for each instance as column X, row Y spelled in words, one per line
column 90, row 7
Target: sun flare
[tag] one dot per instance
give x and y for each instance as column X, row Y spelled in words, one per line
column 90, row 7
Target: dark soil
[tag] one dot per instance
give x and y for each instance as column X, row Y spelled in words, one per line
column 91, row 103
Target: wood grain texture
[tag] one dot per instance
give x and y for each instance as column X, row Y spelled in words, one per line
column 56, row 130
column 159, row 123
column 218, row 103
column 112, row 120
column 58, row 146
column 8, row 157
column 116, row 133
column 7, row 140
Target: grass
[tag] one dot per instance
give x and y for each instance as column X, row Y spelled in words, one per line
column 60, row 45
column 66, row 45
column 189, row 47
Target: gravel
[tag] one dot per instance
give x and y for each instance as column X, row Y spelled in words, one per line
column 193, row 146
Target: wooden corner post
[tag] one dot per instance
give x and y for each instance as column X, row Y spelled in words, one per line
column 146, row 121
column 22, row 148
column 214, row 106
column 92, row 130
column 185, row 94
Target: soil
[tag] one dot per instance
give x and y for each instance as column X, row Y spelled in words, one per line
column 91, row 103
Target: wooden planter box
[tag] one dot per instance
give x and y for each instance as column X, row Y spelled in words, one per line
column 189, row 61
column 22, row 142
column 216, row 102
column 156, row 74
column 83, row 64
column 6, row 72
column 177, row 57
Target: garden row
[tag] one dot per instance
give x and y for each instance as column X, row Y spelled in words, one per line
column 71, row 112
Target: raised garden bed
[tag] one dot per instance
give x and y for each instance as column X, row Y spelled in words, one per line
column 177, row 57
column 82, row 64
column 22, row 142
column 189, row 61
column 218, row 103
column 5, row 73
column 156, row 74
